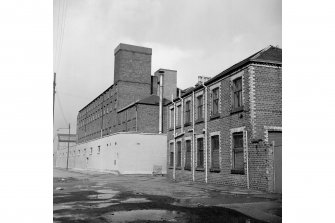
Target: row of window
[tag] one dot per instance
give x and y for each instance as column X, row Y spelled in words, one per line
column 97, row 104
column 237, row 154
column 214, row 104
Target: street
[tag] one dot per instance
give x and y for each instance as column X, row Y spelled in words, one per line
column 101, row 197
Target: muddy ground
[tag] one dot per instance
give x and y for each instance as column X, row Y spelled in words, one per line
column 96, row 197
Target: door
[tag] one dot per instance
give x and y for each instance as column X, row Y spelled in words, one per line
column 275, row 138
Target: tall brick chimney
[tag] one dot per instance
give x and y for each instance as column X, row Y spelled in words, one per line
column 132, row 63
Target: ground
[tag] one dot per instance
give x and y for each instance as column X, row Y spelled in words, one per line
column 100, row 197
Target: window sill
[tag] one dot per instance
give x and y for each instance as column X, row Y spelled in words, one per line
column 187, row 124
column 187, row 168
column 215, row 170
column 178, row 127
column 170, row 129
column 170, row 167
column 236, row 110
column 178, row 168
column 199, row 169
column 199, row 121
column 237, row 172
column 215, row 116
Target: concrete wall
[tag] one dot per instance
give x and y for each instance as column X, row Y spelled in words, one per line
column 124, row 153
column 169, row 83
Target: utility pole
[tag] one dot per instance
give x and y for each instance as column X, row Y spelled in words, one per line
column 54, row 93
column 68, row 149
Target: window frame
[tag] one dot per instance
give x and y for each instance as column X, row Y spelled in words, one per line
column 236, row 149
column 179, row 155
column 202, row 153
column 188, row 155
column 237, row 104
column 215, row 101
column 200, row 102
column 188, row 112
column 215, row 168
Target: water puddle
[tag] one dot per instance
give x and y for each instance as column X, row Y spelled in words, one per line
column 104, row 194
column 135, row 200
column 145, row 215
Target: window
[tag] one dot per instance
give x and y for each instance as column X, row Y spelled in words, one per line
column 188, row 155
column 178, row 115
column 200, row 152
column 171, row 154
column 215, row 152
column 98, row 149
column 200, row 107
column 91, row 150
column 171, row 117
column 238, row 160
column 187, row 112
column 179, row 154
column 215, row 101
column 237, row 93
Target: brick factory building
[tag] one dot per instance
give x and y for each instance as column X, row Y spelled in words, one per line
column 121, row 130
column 227, row 129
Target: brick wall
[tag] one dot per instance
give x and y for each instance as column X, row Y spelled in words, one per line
column 132, row 63
column 147, row 118
column 261, row 96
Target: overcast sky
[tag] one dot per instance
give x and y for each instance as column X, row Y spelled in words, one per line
column 194, row 37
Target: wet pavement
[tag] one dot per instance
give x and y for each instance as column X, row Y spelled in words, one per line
column 96, row 197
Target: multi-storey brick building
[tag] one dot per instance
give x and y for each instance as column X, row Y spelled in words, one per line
column 130, row 101
column 227, row 130
column 120, row 129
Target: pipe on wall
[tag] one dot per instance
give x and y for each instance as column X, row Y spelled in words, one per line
column 205, row 135
column 193, row 141
column 160, row 102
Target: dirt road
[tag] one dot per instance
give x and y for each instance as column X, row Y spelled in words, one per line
column 97, row 197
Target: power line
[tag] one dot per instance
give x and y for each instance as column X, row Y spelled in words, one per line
column 61, row 34
column 61, row 108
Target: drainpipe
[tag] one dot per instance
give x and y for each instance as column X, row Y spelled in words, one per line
column 205, row 135
column 182, row 116
column 247, row 151
column 136, row 118
column 161, row 72
column 174, row 137
column 102, row 117
column 193, row 142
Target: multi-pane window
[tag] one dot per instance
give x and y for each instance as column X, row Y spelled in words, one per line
column 187, row 112
column 215, row 101
column 237, row 93
column 200, row 107
column 215, row 145
column 179, row 154
column 178, row 115
column 238, row 160
column 171, row 117
column 171, row 154
column 188, row 155
column 200, row 152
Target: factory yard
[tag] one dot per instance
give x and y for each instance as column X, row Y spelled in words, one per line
column 100, row 197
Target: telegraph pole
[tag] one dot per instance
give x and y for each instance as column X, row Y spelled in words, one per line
column 54, row 93
column 68, row 150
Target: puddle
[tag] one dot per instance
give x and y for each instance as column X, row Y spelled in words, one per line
column 60, row 207
column 145, row 215
column 104, row 194
column 135, row 200
column 103, row 205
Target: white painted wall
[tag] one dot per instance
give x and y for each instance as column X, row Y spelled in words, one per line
column 124, row 153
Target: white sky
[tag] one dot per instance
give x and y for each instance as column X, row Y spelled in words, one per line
column 193, row 37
